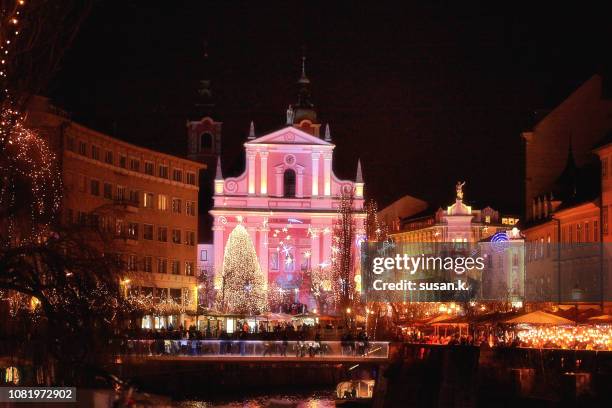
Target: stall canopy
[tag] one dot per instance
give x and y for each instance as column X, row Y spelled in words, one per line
column 539, row 317
column 601, row 319
column 439, row 319
column 274, row 317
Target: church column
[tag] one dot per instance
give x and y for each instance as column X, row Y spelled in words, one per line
column 315, row 259
column 279, row 182
column 263, row 252
column 327, row 243
column 253, row 234
column 219, row 247
column 263, row 170
column 251, row 170
column 327, row 163
column 299, row 188
column 315, row 173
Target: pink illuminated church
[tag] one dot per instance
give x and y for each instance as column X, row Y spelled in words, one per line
column 287, row 198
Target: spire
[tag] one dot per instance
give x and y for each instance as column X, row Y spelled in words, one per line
column 304, row 108
column 252, row 131
column 218, row 174
column 359, row 178
column 304, row 79
column 327, row 133
column 204, row 96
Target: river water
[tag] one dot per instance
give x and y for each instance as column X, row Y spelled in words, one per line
column 303, row 399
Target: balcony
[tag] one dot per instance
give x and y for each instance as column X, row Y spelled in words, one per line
column 126, row 238
column 126, row 204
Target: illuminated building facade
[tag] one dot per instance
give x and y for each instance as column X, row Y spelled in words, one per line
column 287, row 198
column 143, row 203
column 459, row 222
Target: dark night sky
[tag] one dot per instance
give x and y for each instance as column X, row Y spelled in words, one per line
column 424, row 94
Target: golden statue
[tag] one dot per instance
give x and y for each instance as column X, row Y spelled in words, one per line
column 459, row 188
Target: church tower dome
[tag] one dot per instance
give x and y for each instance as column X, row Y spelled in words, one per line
column 303, row 114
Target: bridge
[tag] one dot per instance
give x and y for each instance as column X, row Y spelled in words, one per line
column 255, row 350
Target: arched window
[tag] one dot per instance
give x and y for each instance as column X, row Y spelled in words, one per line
column 206, row 141
column 289, row 183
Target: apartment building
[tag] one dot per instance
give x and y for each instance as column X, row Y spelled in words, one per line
column 145, row 202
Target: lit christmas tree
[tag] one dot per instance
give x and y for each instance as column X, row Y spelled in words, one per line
column 242, row 283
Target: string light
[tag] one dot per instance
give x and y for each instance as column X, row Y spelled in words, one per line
column 242, row 283
column 27, row 162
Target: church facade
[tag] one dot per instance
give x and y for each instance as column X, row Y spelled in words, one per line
column 287, row 198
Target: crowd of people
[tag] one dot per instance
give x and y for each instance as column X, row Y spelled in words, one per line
column 280, row 339
column 576, row 337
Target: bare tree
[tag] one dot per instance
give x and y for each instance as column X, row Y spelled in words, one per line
column 343, row 255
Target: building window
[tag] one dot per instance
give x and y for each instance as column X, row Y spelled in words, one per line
column 108, row 191
column 147, row 200
column 587, row 235
column 162, row 202
column 147, row 231
column 189, row 269
column 120, row 193
column 147, row 264
column 203, row 255
column 132, row 230
column 70, row 143
column 488, row 219
column 162, row 265
column 134, row 197
column 120, row 227
column 162, row 234
column 176, row 236
column 131, row 263
column 95, row 187
column 177, row 175
column 274, row 261
column 191, row 178
column 83, row 148
column 578, row 232
column 176, row 295
column 595, row 231
column 176, row 267
column 134, row 164
column 149, row 168
column 206, row 141
column 163, row 171
column 604, row 220
column 548, row 246
column 305, row 265
column 81, row 218
column 190, row 208
column 108, row 157
column 176, row 205
column 122, row 161
column 289, row 183
column 190, row 238
column 95, row 152
column 604, row 167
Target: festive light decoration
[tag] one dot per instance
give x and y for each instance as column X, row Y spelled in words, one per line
column 8, row 34
column 342, row 253
column 29, row 175
column 242, row 283
column 568, row 337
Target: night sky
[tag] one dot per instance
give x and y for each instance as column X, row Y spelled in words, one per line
column 424, row 94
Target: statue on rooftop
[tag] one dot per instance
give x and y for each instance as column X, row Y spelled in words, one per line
column 459, row 188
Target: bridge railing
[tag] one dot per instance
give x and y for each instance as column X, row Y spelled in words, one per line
column 256, row 348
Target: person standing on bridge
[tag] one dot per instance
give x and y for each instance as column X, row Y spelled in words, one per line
column 285, row 344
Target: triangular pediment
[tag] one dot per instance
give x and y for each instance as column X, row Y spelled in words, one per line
column 289, row 135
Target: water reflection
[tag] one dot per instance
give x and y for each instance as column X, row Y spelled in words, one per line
column 317, row 399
